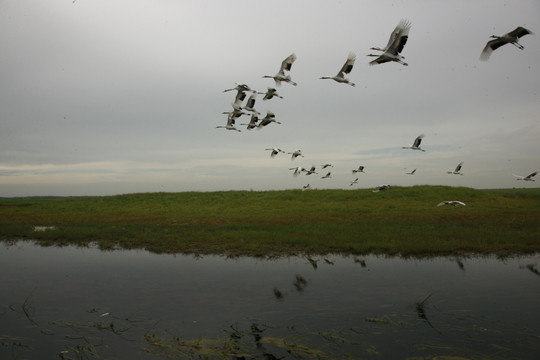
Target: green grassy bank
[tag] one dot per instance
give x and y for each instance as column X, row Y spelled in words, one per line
column 400, row 220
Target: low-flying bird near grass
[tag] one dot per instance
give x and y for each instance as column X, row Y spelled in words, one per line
column 355, row 181
column 451, row 202
column 416, row 144
column 509, row 38
column 381, row 187
column 270, row 93
column 360, row 169
column 285, row 66
column 275, row 151
column 296, row 153
column 456, row 170
column 396, row 43
column 346, row 69
column 526, row 178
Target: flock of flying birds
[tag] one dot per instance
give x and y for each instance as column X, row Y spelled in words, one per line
column 390, row 53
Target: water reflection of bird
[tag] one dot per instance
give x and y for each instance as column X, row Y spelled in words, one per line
column 360, row 261
column 329, row 262
column 300, row 283
column 532, row 268
column 421, row 311
column 312, row 262
column 460, row 263
column 278, row 294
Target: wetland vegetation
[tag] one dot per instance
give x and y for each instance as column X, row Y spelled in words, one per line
column 398, row 221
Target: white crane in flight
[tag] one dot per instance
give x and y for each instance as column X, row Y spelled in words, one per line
column 253, row 122
column 396, row 43
column 230, row 125
column 416, row 144
column 269, row 118
column 456, row 170
column 285, row 66
column 509, row 38
column 360, row 169
column 526, row 178
column 327, row 176
column 346, row 69
column 270, row 93
column 412, row 172
column 312, row 170
column 295, row 154
column 297, row 170
column 275, row 151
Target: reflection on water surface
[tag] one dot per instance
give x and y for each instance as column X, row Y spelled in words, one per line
column 78, row 303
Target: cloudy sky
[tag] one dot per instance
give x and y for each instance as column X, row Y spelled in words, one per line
column 107, row 97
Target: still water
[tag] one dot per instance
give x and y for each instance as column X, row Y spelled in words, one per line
column 83, row 303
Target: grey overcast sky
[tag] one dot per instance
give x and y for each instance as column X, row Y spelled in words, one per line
column 107, row 97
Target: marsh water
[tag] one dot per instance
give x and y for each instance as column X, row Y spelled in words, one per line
column 84, row 303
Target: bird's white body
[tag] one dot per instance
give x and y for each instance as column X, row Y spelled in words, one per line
column 345, row 69
column 451, row 202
